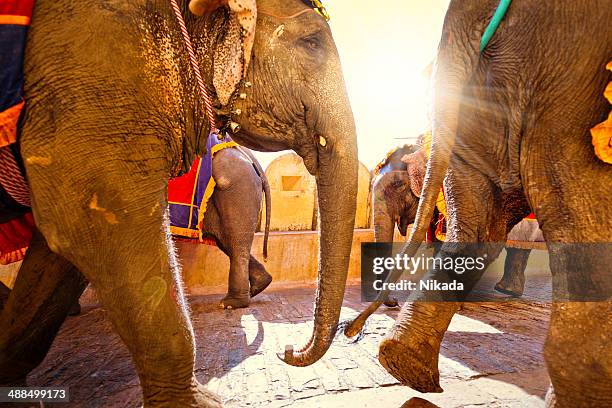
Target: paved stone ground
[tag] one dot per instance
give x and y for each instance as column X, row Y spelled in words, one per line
column 491, row 357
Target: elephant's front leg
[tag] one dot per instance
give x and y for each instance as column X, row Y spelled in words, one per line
column 513, row 281
column 46, row 287
column 114, row 232
column 410, row 350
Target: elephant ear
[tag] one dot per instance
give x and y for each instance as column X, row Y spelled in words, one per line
column 233, row 52
column 416, row 165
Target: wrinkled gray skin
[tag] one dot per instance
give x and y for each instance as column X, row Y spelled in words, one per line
column 513, row 281
column 112, row 112
column 231, row 218
column 511, row 134
column 394, row 204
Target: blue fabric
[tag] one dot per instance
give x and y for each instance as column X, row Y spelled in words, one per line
column 188, row 195
column 12, row 46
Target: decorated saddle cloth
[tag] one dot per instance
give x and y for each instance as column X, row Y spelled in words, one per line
column 15, row 235
column 188, row 194
column 602, row 133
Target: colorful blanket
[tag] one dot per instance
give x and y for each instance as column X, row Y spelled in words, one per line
column 15, row 235
column 188, row 195
column 602, row 133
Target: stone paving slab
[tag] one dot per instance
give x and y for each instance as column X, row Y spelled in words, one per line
column 491, row 356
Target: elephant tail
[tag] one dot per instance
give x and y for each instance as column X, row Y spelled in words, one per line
column 268, row 198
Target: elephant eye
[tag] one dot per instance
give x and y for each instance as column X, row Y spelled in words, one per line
column 311, row 42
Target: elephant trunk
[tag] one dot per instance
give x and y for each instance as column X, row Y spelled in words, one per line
column 337, row 194
column 268, row 197
column 384, row 224
column 452, row 71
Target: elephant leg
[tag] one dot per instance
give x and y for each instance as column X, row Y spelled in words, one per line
column 114, row 230
column 4, row 294
column 411, row 348
column 383, row 218
column 46, row 288
column 259, row 278
column 237, row 182
column 571, row 202
column 513, row 281
column 577, row 347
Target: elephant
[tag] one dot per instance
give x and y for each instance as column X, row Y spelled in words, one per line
column 396, row 189
column 113, row 110
column 240, row 178
column 513, row 281
column 511, row 135
column 232, row 221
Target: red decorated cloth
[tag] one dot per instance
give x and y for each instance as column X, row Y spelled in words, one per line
column 15, row 237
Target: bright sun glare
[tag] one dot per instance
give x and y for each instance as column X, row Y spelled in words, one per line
column 384, row 48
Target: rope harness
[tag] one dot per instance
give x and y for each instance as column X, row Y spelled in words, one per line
column 498, row 16
column 195, row 66
column 12, row 179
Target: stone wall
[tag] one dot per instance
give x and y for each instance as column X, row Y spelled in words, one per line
column 294, row 195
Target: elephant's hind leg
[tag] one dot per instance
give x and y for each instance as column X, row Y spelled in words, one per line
column 513, row 281
column 46, row 288
column 259, row 278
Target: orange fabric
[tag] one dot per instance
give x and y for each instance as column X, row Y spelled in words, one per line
column 602, row 133
column 14, row 20
column 8, row 124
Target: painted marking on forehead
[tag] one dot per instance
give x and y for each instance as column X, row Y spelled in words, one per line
column 279, row 30
column 276, row 35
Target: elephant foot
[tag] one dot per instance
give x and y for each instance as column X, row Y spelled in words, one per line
column 75, row 309
column 197, row 396
column 415, row 365
column 207, row 399
column 259, row 281
column 513, row 289
column 391, row 302
column 234, row 302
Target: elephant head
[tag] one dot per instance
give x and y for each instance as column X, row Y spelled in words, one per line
column 396, row 188
column 278, row 79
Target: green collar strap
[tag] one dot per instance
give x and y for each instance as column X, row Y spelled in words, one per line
column 499, row 15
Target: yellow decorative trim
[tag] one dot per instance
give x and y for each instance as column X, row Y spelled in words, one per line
column 8, row 124
column 14, row 20
column 602, row 133
column 184, row 232
column 195, row 185
column 14, row 256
